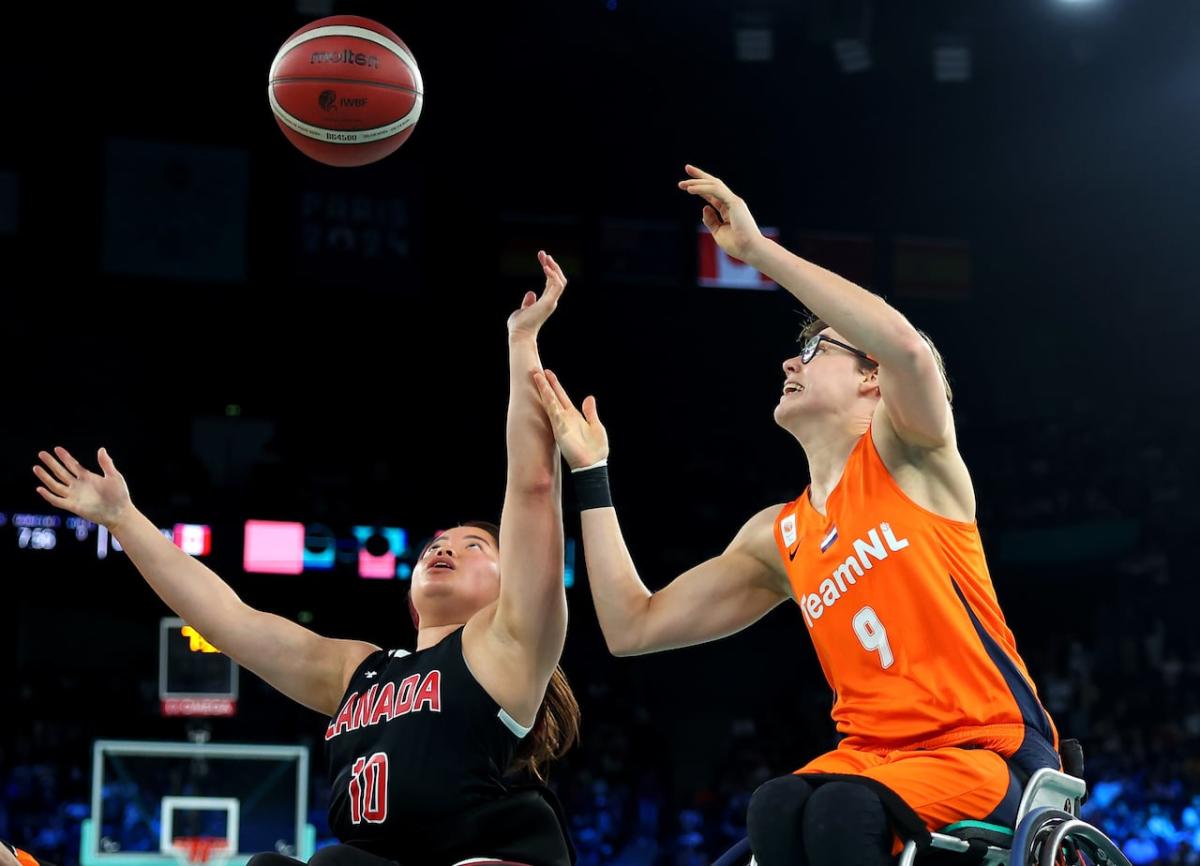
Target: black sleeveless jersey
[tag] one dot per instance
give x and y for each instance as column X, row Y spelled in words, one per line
column 417, row 749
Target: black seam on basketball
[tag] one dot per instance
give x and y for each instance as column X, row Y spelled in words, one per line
column 293, row 78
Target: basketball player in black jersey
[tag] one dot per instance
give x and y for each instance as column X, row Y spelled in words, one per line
column 419, row 742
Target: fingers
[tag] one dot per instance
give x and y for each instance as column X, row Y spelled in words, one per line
column 695, row 172
column 554, row 410
column 106, row 462
column 57, row 468
column 707, row 189
column 551, row 266
column 549, row 399
column 529, row 300
column 556, row 280
column 589, row 410
column 56, row 501
column 73, row 465
column 56, row 487
column 711, row 219
column 553, row 289
column 559, row 391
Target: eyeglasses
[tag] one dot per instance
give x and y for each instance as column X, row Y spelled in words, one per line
column 809, row 350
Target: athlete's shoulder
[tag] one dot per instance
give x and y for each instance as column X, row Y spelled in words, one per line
column 757, row 538
column 888, row 443
column 935, row 479
column 368, row 658
column 762, row 523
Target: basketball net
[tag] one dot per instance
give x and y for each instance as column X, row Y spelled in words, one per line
column 194, row 850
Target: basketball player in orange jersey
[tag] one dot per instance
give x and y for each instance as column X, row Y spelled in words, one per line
column 419, row 749
column 882, row 554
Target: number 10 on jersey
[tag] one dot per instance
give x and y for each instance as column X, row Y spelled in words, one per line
column 368, row 789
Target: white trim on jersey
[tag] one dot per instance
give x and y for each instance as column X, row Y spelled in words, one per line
column 509, row 722
column 513, row 725
column 398, row 654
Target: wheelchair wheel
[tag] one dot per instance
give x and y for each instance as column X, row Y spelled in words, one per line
column 1033, row 832
column 1082, row 845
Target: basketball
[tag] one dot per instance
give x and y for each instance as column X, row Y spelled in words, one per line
column 345, row 90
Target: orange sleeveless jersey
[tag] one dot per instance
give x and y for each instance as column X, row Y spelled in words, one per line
column 901, row 610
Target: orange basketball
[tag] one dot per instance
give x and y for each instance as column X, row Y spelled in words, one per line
column 345, row 90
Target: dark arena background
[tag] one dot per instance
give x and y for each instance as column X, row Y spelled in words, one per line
column 268, row 344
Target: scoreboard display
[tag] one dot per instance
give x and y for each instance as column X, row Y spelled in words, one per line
column 194, row 677
column 274, row 547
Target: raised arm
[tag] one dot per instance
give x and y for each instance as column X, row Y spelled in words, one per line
column 713, row 600
column 514, row 650
column 914, row 395
column 310, row 669
column 533, row 601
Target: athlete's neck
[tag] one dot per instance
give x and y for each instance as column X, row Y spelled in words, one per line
column 434, row 634
column 827, row 449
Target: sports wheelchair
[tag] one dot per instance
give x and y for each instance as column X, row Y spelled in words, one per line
column 1048, row 830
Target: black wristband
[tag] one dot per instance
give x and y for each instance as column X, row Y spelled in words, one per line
column 591, row 488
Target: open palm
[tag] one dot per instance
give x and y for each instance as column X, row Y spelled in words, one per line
column 69, row 485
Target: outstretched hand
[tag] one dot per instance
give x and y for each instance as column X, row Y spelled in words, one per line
column 69, row 485
column 726, row 216
column 527, row 320
column 580, row 435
